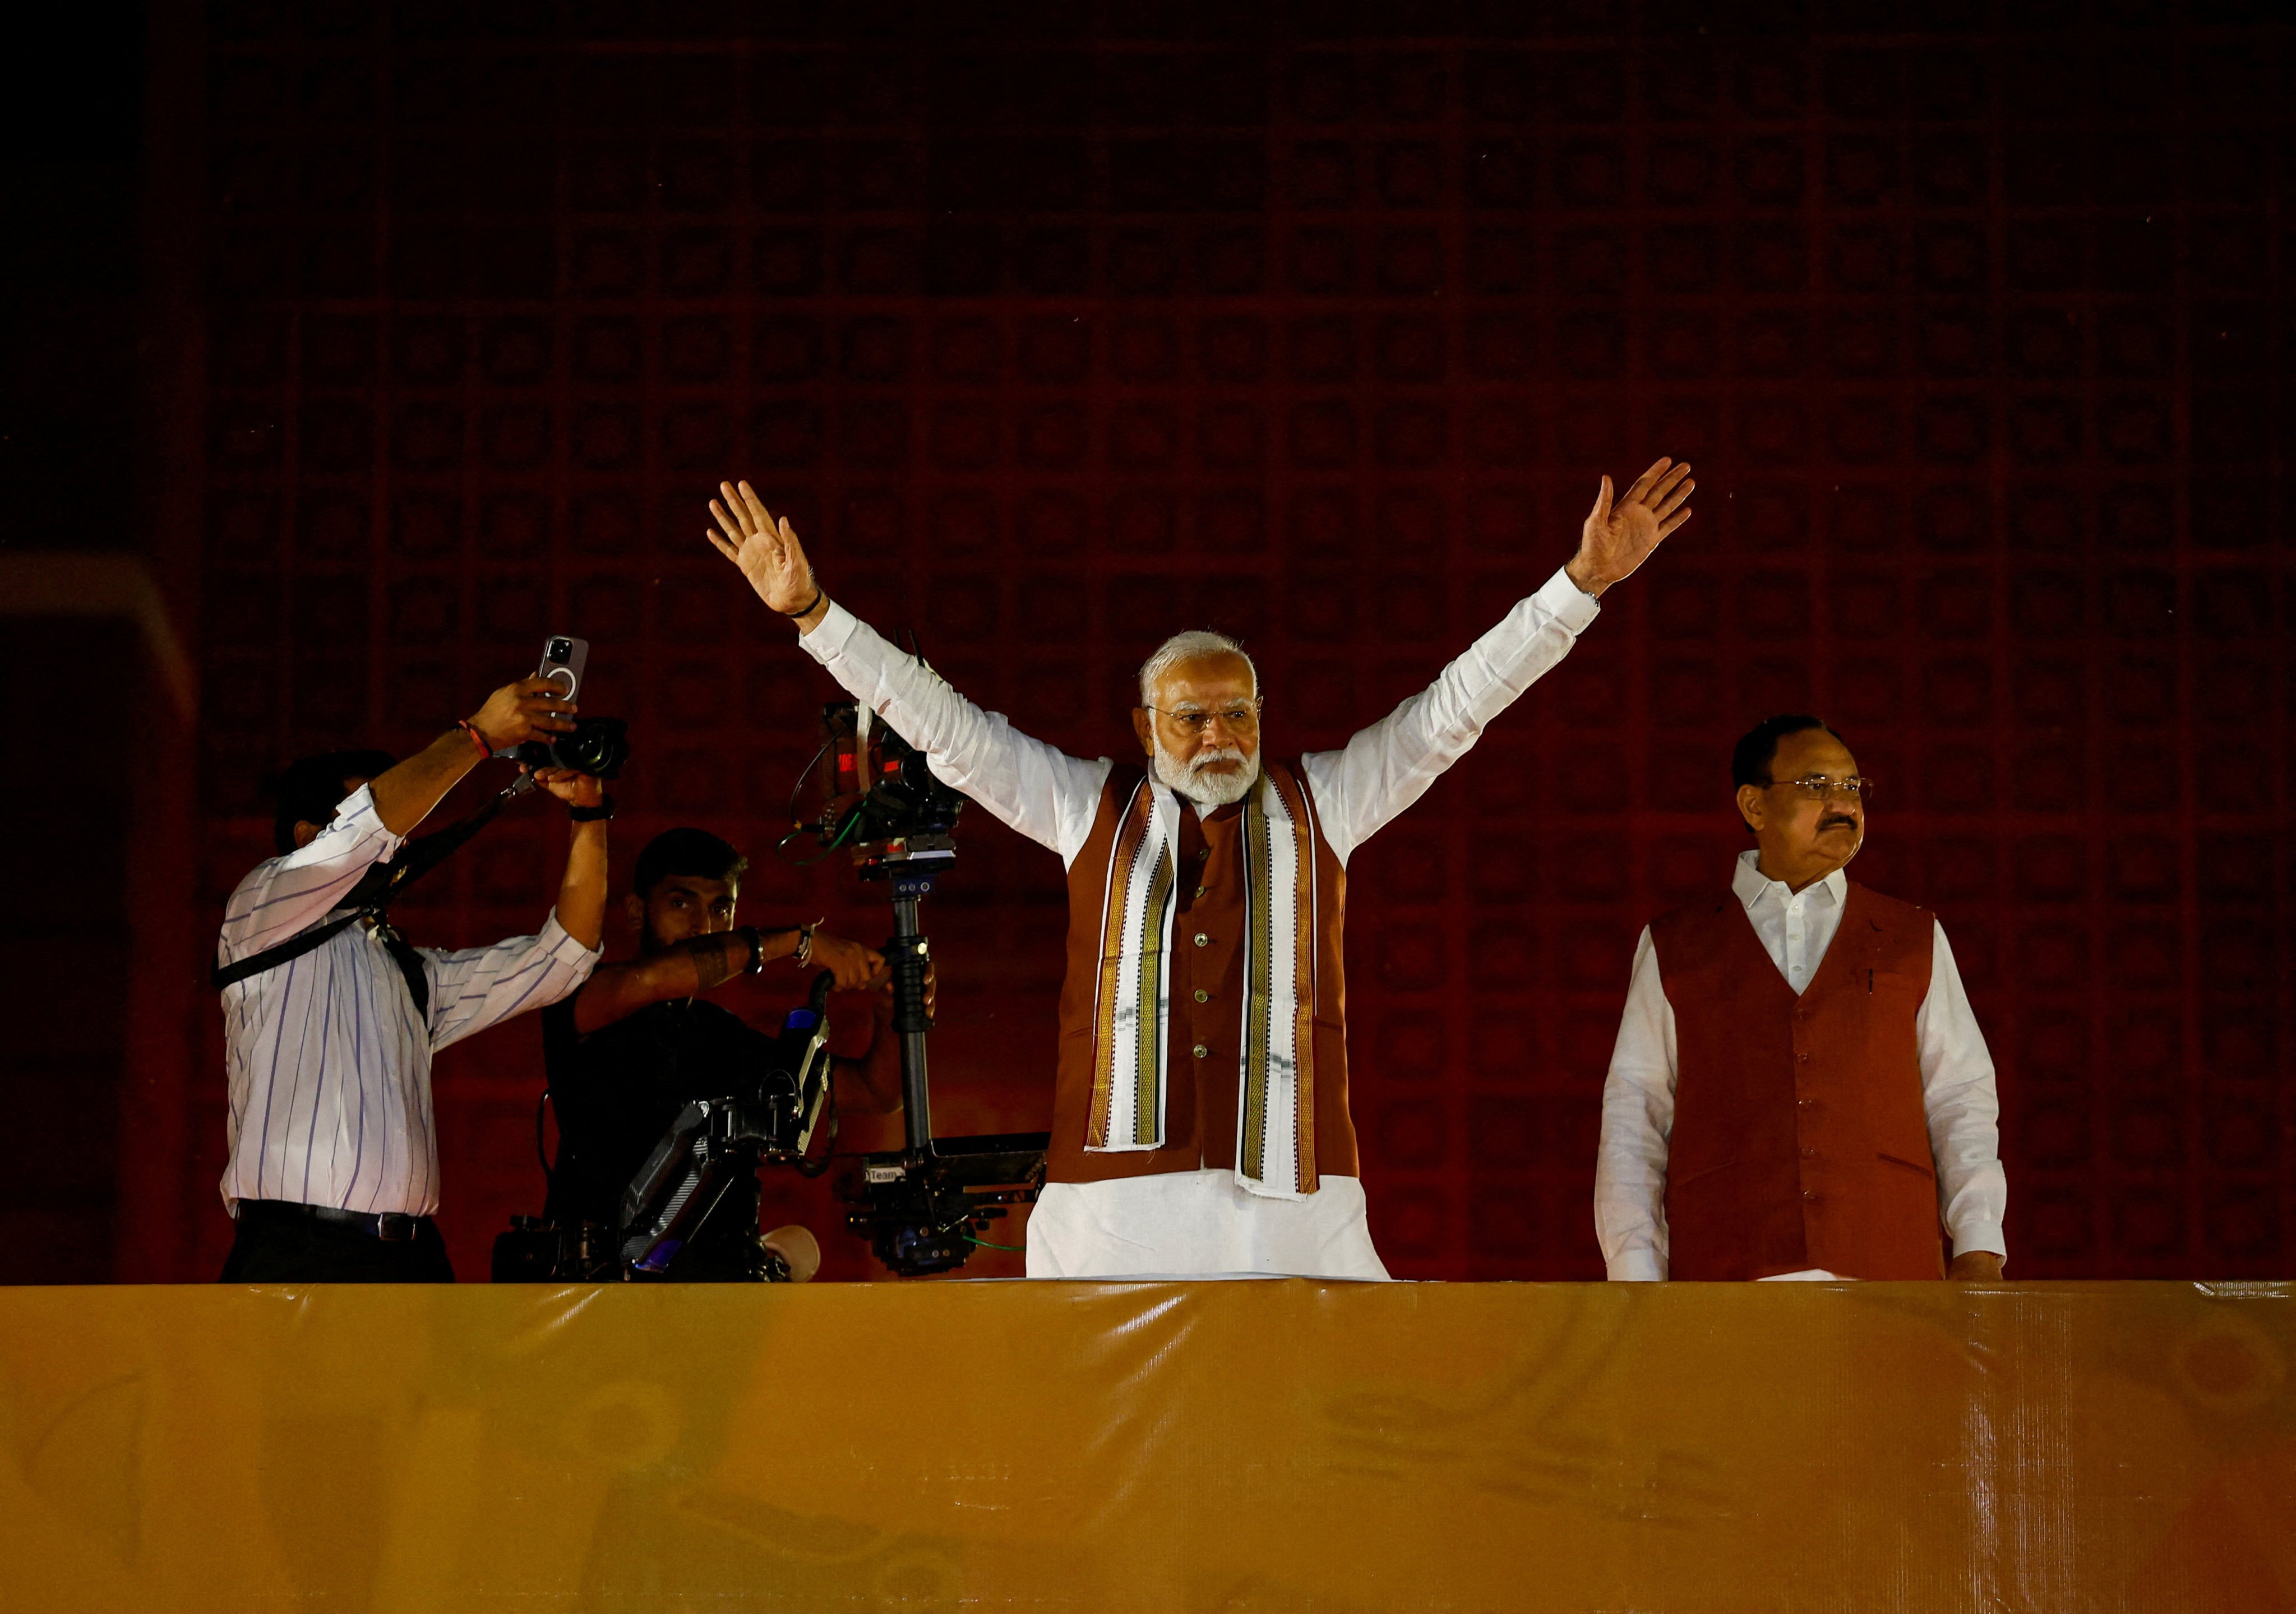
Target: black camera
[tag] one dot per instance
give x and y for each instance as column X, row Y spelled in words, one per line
column 769, row 1114
column 881, row 801
column 921, row 1211
column 598, row 746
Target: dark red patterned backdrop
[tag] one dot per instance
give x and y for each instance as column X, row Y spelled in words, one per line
column 1057, row 328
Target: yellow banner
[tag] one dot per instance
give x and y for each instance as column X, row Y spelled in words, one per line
column 1280, row 1446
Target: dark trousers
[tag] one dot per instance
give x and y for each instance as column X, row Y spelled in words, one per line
column 281, row 1243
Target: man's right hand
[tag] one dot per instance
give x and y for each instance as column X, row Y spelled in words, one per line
column 1619, row 537
column 767, row 550
column 518, row 712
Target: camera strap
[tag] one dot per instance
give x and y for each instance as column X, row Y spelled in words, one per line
column 370, row 896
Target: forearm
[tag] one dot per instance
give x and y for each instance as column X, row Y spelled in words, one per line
column 1630, row 1190
column 879, row 1070
column 404, row 795
column 684, row 969
column 1495, row 671
column 1033, row 787
column 1630, row 1160
column 1961, row 1099
column 284, row 894
column 1389, row 765
column 582, row 890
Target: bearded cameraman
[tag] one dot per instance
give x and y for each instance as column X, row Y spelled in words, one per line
column 335, row 1159
column 636, row 1041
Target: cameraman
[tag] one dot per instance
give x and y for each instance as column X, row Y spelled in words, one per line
column 634, row 1043
column 334, row 1161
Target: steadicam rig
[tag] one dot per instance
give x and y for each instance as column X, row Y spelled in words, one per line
column 922, row 1206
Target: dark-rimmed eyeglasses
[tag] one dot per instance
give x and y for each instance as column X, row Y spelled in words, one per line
column 1818, row 787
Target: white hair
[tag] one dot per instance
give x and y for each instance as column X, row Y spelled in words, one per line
column 1192, row 646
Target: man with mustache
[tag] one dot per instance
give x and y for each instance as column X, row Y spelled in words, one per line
column 1799, row 1089
column 1200, row 1113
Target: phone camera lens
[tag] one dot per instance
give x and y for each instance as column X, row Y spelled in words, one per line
column 561, row 649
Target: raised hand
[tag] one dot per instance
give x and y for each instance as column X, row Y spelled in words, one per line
column 516, row 712
column 1619, row 537
column 767, row 550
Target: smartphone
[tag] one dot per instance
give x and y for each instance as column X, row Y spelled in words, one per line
column 563, row 658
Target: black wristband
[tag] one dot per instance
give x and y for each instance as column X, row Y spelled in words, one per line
column 810, row 604
column 582, row 814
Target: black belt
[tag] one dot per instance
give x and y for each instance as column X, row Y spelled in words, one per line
column 391, row 1226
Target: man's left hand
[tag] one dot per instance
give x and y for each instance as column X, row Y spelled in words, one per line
column 881, row 983
column 1619, row 537
column 574, row 788
column 1975, row 1267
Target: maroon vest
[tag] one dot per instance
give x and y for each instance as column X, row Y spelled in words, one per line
column 1800, row 1139
column 1207, row 990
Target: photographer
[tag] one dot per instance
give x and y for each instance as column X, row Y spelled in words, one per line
column 334, row 1160
column 630, row 1049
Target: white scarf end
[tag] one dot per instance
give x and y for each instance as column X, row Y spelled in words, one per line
column 1268, row 1190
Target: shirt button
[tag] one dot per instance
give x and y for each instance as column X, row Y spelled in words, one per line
column 1201, row 890
column 1809, row 1154
column 1202, row 996
column 1809, row 1193
column 1203, row 853
column 1805, row 1103
column 1203, row 940
column 1202, row 1052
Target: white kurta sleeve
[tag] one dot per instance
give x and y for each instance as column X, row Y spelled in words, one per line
column 1389, row 765
column 1964, row 1111
column 1637, row 1120
column 474, row 988
column 283, row 896
column 1043, row 793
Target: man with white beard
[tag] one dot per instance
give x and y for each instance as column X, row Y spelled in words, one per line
column 1200, row 1108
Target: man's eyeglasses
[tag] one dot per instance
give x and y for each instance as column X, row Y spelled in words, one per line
column 1239, row 719
column 1818, row 787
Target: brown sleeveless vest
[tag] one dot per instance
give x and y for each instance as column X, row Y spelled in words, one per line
column 1800, row 1139
column 1207, row 994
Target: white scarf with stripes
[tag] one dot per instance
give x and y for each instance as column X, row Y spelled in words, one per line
column 1275, row 1144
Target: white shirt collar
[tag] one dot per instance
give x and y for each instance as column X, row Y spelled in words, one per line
column 1751, row 885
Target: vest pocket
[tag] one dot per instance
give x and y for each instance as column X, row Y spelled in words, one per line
column 1893, row 1160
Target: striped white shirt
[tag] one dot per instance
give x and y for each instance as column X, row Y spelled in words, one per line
column 329, row 1064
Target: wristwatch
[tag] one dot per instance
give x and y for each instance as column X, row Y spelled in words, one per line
column 604, row 810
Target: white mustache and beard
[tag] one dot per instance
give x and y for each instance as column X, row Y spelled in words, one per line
column 1206, row 790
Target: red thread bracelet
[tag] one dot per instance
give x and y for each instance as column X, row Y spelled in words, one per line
column 477, row 739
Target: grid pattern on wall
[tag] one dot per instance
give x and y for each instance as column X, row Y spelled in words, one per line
column 1084, row 324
